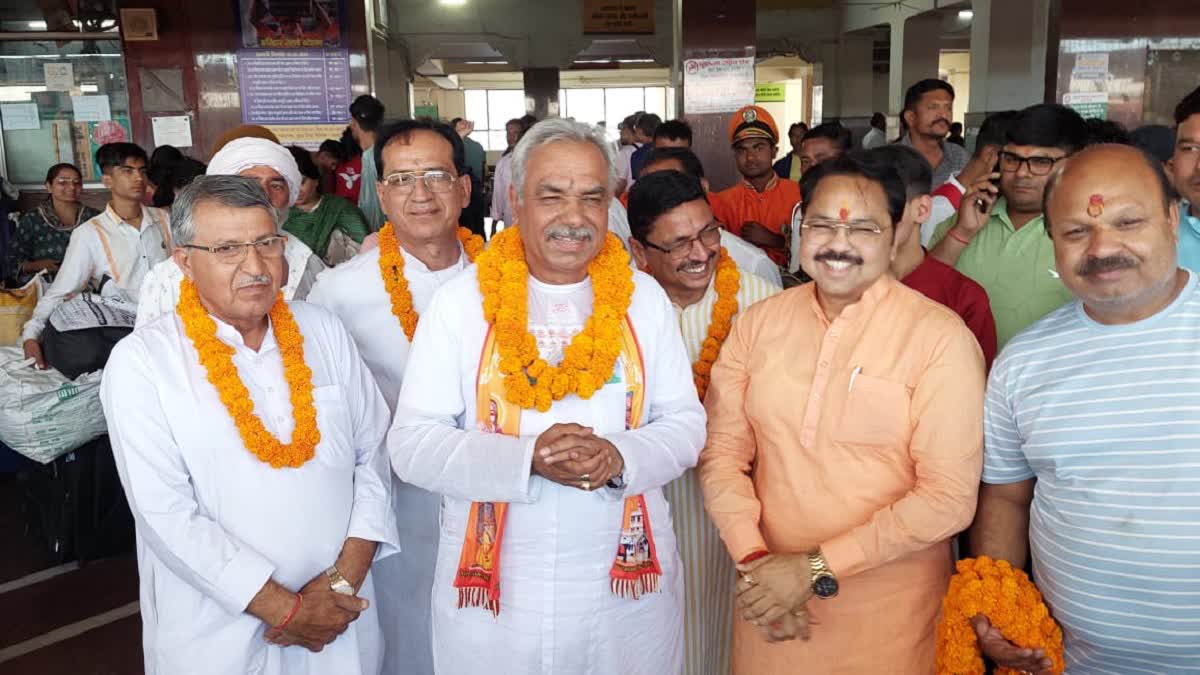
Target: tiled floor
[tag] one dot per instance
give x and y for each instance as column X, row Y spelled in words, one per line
column 81, row 620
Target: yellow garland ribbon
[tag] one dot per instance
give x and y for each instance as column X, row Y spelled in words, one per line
column 1011, row 603
column 587, row 362
column 391, row 268
column 727, row 282
column 217, row 359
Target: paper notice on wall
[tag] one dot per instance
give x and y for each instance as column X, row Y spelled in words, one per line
column 1091, row 66
column 717, row 85
column 18, row 116
column 59, row 76
column 173, row 130
column 1088, row 104
column 91, row 108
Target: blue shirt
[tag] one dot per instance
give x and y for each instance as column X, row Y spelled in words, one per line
column 1108, row 420
column 1189, row 238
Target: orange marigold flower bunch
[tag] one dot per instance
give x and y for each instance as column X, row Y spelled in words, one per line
column 588, row 360
column 1011, row 603
column 217, row 359
column 391, row 268
column 727, row 282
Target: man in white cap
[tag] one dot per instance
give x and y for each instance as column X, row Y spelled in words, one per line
column 275, row 170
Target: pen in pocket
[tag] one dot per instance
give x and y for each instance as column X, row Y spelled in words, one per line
column 853, row 374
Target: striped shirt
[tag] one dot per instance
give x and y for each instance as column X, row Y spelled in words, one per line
column 1105, row 417
column 708, row 570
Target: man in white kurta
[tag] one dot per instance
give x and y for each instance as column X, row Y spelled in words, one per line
column 678, row 241
column 424, row 224
column 219, row 532
column 557, row 609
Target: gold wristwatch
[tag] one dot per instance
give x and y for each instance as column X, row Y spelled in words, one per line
column 824, row 584
column 337, row 582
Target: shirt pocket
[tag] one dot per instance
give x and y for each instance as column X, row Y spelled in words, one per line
column 874, row 413
column 333, row 421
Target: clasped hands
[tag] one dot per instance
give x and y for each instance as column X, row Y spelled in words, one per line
column 323, row 616
column 772, row 593
column 574, row 456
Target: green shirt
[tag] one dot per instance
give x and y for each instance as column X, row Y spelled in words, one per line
column 368, row 199
column 1015, row 267
column 475, row 157
column 316, row 227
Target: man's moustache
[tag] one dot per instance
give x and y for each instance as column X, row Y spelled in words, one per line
column 1110, row 264
column 255, row 280
column 838, row 256
column 569, row 233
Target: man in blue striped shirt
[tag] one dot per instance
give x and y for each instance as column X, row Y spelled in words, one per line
column 1092, row 441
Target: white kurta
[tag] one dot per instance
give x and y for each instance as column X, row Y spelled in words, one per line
column 354, row 291
column 214, row 523
column 557, row 613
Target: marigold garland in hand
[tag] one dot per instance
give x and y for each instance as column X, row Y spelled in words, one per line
column 391, row 268
column 588, row 360
column 1011, row 603
column 217, row 359
column 727, row 282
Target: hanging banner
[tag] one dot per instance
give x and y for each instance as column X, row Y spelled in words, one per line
column 717, row 85
column 294, row 86
column 290, row 24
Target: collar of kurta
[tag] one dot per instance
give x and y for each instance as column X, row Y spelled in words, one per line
column 117, row 220
column 230, row 336
column 874, row 294
column 774, row 181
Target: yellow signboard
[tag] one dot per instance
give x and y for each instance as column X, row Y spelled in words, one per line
column 770, row 92
column 308, row 136
column 618, row 16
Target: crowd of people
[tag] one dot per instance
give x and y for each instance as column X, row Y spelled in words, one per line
column 358, row 437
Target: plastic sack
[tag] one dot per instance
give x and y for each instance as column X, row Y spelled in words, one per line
column 16, row 306
column 43, row 415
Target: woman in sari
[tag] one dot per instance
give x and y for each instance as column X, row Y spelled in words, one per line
column 42, row 234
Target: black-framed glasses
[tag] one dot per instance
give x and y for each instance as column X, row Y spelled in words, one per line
column 405, row 182
column 267, row 247
column 1010, row 162
column 709, row 236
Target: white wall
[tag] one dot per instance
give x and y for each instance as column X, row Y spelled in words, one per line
column 956, row 69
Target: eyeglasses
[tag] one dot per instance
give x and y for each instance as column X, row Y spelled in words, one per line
column 709, row 236
column 857, row 231
column 1010, row 162
column 68, row 182
column 268, row 247
column 405, row 182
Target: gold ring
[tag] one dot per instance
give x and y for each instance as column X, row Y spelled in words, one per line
column 586, row 485
column 586, row 476
column 748, row 579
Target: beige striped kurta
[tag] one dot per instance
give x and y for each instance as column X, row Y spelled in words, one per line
column 708, row 571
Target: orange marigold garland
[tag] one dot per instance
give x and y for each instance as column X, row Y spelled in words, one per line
column 391, row 268
column 588, row 360
column 727, row 282
column 217, row 359
column 1011, row 603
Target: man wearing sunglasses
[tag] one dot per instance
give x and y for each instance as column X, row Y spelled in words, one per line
column 678, row 241
column 423, row 190
column 998, row 238
column 845, row 439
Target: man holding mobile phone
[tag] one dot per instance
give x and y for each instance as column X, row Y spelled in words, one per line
column 998, row 238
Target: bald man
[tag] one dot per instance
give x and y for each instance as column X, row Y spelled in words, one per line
column 1087, row 403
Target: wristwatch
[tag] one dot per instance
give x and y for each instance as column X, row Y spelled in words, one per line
column 337, row 582
column 824, row 584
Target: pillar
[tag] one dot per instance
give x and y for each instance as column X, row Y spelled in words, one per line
column 714, row 29
column 1008, row 55
column 541, row 92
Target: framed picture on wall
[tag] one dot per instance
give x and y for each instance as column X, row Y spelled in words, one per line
column 139, row 25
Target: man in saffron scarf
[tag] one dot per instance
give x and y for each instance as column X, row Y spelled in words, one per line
column 249, row 439
column 548, row 398
column 423, row 190
column 677, row 240
column 844, row 444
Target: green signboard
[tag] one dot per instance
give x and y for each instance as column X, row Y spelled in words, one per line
column 770, row 92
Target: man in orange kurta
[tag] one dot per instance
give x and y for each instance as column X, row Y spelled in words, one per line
column 844, row 446
column 758, row 208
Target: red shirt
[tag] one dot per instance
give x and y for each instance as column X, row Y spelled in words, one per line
column 940, row 282
column 771, row 208
column 348, row 179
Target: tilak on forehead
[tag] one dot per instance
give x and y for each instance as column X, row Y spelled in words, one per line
column 1095, row 207
column 844, row 213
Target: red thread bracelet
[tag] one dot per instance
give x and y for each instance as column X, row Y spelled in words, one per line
column 955, row 237
column 292, row 614
column 757, row 555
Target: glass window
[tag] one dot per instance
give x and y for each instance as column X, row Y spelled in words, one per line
column 490, row 110
column 42, row 125
column 585, row 105
column 619, row 103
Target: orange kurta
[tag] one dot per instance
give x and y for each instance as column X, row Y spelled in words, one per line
column 880, row 472
column 771, row 208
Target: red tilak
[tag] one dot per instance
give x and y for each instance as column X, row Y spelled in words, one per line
column 844, row 214
column 1095, row 205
